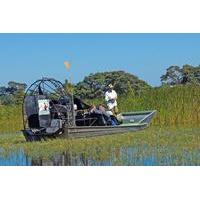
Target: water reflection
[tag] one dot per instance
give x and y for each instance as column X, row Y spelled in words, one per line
column 119, row 156
column 64, row 159
column 123, row 157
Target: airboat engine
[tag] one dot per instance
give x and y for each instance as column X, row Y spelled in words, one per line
column 47, row 109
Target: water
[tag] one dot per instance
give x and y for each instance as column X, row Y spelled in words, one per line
column 15, row 159
column 178, row 148
column 118, row 157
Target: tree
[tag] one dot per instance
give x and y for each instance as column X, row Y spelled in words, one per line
column 173, row 76
column 3, row 90
column 14, row 87
column 13, row 93
column 186, row 75
column 95, row 85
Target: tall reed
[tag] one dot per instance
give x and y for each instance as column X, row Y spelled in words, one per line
column 178, row 105
column 10, row 118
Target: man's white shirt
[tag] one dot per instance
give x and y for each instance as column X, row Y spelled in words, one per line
column 111, row 95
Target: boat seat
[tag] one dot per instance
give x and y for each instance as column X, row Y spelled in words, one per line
column 55, row 127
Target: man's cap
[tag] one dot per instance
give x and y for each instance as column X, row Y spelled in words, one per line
column 110, row 86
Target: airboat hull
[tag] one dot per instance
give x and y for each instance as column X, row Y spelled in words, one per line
column 81, row 132
column 132, row 122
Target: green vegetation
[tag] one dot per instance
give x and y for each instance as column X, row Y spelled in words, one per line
column 10, row 118
column 178, row 105
column 176, row 75
column 12, row 94
column 94, row 85
column 170, row 146
column 177, row 100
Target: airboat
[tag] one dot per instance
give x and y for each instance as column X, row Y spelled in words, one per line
column 49, row 112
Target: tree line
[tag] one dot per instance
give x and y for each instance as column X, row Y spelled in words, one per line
column 94, row 85
column 176, row 75
column 12, row 93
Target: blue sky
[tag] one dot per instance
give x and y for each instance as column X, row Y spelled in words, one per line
column 27, row 57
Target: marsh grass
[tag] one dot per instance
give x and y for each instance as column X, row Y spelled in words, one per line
column 171, row 146
column 10, row 119
column 179, row 105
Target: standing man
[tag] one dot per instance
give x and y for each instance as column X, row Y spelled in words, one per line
column 111, row 99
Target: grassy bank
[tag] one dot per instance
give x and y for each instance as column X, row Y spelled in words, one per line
column 168, row 146
column 179, row 105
